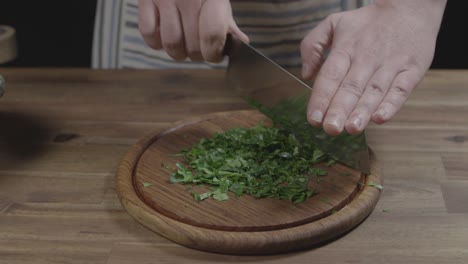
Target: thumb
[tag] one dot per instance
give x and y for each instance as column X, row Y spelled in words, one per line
column 314, row 46
column 234, row 29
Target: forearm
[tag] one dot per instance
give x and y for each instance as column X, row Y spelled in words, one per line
column 430, row 11
column 428, row 7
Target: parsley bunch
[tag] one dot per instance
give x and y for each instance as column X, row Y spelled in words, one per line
column 265, row 162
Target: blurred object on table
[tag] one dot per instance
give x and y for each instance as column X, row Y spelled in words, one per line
column 8, row 50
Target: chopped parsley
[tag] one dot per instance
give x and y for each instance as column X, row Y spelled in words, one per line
column 146, row 184
column 264, row 162
column 376, row 185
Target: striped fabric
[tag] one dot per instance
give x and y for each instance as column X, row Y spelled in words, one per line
column 275, row 27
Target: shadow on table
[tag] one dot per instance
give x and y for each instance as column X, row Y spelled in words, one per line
column 22, row 137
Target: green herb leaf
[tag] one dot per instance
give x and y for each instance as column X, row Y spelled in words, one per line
column 167, row 167
column 378, row 186
column 176, row 155
column 318, row 154
column 200, row 197
column 146, row 184
column 221, row 196
column 264, row 162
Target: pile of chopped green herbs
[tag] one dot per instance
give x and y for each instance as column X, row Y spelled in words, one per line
column 265, row 162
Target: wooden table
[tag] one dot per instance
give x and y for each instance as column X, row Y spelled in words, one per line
column 63, row 132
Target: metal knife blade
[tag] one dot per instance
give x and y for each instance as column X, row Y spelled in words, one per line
column 283, row 98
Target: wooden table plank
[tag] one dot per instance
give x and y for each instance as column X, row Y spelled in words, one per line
column 63, row 132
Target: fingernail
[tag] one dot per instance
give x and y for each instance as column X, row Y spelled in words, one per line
column 305, row 70
column 356, row 123
column 335, row 122
column 316, row 116
column 381, row 113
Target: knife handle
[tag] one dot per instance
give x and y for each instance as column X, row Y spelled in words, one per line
column 231, row 44
column 227, row 45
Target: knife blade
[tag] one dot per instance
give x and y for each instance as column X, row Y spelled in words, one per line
column 283, row 98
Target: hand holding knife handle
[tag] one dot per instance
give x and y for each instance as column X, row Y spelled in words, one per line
column 230, row 44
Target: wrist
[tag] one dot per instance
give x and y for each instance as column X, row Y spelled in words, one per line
column 429, row 7
column 425, row 10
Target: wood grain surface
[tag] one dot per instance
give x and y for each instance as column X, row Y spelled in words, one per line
column 63, row 133
column 243, row 225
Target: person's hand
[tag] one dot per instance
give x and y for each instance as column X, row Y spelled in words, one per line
column 378, row 55
column 196, row 29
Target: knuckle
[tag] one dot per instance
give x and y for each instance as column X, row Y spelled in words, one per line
column 408, row 61
column 377, row 88
column 147, row 28
column 211, row 56
column 212, row 37
column 172, row 45
column 391, row 104
column 337, row 65
column 193, row 52
column 192, row 49
column 402, row 91
column 352, row 87
column 370, row 48
column 403, row 87
column 154, row 44
column 324, row 97
column 175, row 50
column 312, row 51
column 187, row 5
column 363, row 110
column 337, row 111
column 372, row 51
column 308, row 44
column 330, row 72
column 320, row 101
column 214, row 59
column 212, row 45
column 343, row 53
column 194, row 55
column 151, row 38
column 305, row 45
column 144, row 31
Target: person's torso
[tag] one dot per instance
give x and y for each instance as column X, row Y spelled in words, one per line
column 275, row 27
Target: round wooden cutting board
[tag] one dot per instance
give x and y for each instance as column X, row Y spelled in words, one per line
column 243, row 225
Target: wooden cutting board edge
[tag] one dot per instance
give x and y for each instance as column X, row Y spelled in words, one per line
column 241, row 243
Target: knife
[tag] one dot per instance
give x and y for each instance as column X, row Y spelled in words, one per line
column 283, row 98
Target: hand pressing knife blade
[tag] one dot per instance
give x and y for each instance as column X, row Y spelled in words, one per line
column 283, row 98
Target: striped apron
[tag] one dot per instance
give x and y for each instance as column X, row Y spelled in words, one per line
column 275, row 27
